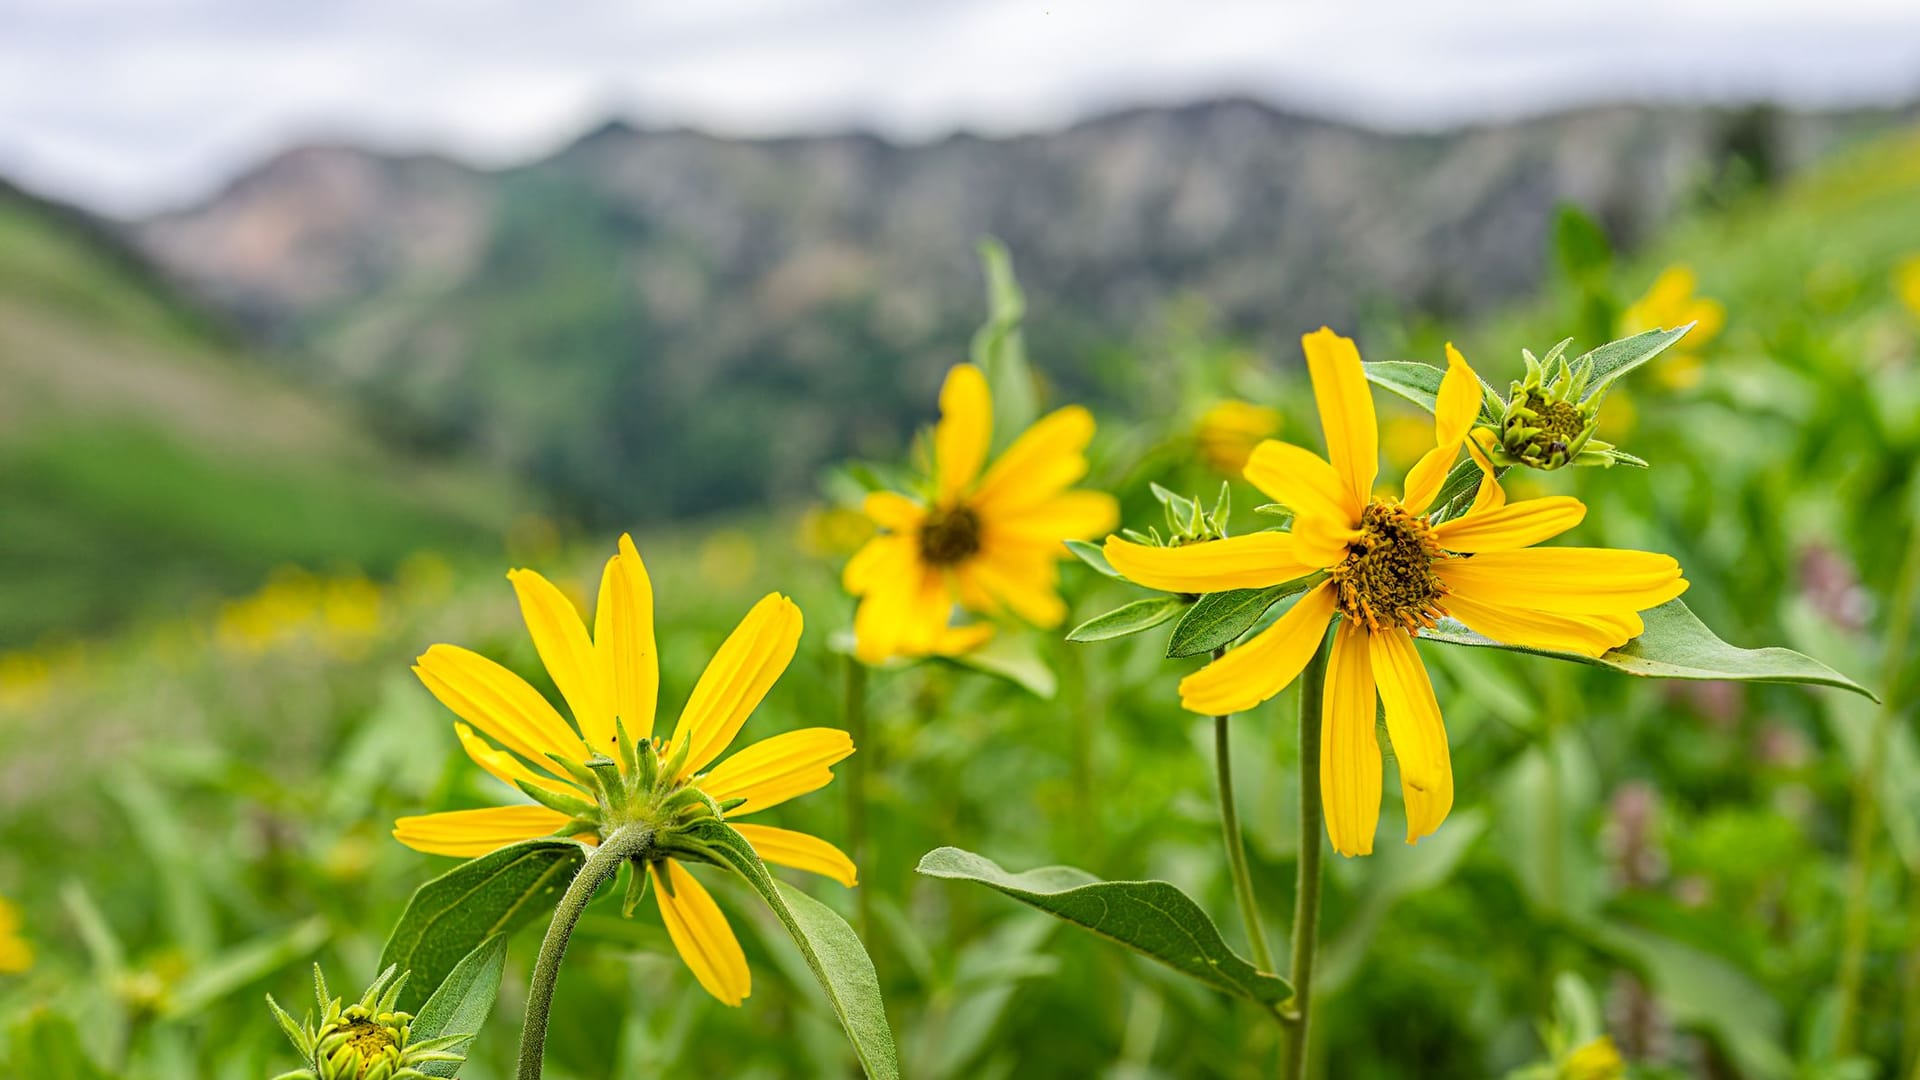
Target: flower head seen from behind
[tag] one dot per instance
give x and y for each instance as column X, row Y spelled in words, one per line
column 1672, row 302
column 985, row 537
column 16, row 955
column 1390, row 572
column 606, row 769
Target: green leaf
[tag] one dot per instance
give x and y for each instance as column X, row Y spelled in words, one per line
column 1420, row 383
column 464, row 1000
column 454, row 913
column 1128, row 619
column 1616, row 358
column 1000, row 349
column 1150, row 917
column 1093, row 556
column 828, row 944
column 1457, row 490
column 1012, row 657
column 1677, row 645
column 1218, row 618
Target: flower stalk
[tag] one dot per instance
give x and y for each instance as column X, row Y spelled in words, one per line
column 1236, row 843
column 1296, row 1015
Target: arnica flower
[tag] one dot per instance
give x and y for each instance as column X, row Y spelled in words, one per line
column 607, row 770
column 1390, row 572
column 1671, row 302
column 15, row 954
column 1228, row 432
column 987, row 537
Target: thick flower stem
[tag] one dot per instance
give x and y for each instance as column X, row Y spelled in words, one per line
column 1297, row 1015
column 1236, row 845
column 622, row 844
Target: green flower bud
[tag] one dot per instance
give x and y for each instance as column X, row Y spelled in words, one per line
column 368, row 1040
column 1548, row 419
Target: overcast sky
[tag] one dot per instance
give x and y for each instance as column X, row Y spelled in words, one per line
column 130, row 105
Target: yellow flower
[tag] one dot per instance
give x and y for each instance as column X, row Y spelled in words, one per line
column 1906, row 284
column 610, row 683
column 989, row 541
column 15, row 954
column 1229, row 431
column 1596, row 1060
column 1671, row 302
column 1392, row 572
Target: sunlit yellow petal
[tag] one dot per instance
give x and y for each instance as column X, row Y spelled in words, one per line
column 1070, row 515
column 497, row 702
column 1490, row 495
column 1513, row 526
column 701, row 935
column 737, row 677
column 1046, row 459
column 507, row 768
column 893, row 511
column 1349, row 750
column 965, row 429
column 1413, row 723
column 960, row 640
column 623, row 639
column 1252, row 561
column 561, row 639
column 1572, row 580
column 1588, row 635
column 1266, row 663
column 799, row 850
column 1427, row 477
column 776, row 769
column 1028, row 586
column 1302, row 481
column 904, row 605
column 1458, row 401
column 1346, row 412
column 878, row 560
column 468, row 834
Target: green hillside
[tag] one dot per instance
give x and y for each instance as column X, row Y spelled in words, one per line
column 145, row 462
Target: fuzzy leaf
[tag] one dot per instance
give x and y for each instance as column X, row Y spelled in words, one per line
column 454, row 913
column 1420, row 383
column 1150, row 917
column 828, row 944
column 1129, row 619
column 1677, row 645
column 1616, row 358
column 464, row 1001
column 1218, row 618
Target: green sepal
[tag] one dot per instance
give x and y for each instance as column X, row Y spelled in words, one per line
column 637, row 880
column 1129, row 619
column 1216, row 619
column 570, row 805
column 1093, row 556
column 580, row 773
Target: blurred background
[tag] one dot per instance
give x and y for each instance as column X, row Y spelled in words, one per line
column 315, row 319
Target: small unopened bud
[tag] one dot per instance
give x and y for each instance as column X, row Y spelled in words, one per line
column 1549, row 417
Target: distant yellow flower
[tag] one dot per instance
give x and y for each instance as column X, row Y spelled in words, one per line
column 1906, row 284
column 1596, row 1060
column 1670, row 303
column 989, row 541
column 15, row 954
column 615, row 674
column 1229, row 431
column 1392, row 572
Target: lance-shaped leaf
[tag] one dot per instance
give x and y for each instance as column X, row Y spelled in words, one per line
column 1677, row 645
column 1129, row 619
column 827, row 943
column 1093, row 556
column 463, row 1002
column 1420, row 384
column 1150, row 917
column 1616, row 358
column 1216, row 619
column 1000, row 349
column 454, row 913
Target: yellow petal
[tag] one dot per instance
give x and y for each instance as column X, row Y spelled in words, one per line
column 1413, row 723
column 507, row 768
column 1346, row 411
column 1490, row 495
column 960, row 640
column 624, row 642
column 1458, row 401
column 497, row 702
column 701, row 935
column 1028, row 586
column 1266, row 663
column 965, row 429
column 564, row 648
column 779, row 768
column 904, row 605
column 1569, row 580
column 893, row 511
column 1588, row 635
column 1252, row 561
column 1070, row 515
column 878, row 560
column 1045, row 460
column 1349, row 750
column 1302, row 481
column 1516, row 525
column 1427, row 477
column 468, row 834
column 737, row 677
column 784, row 847
column 15, row 955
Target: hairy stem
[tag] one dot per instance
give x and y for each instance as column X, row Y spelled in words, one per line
column 622, row 844
column 1236, row 845
column 1297, row 1014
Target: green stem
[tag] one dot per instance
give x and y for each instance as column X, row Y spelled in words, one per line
column 626, row 842
column 1297, row 1014
column 854, row 712
column 1865, row 823
column 1236, row 844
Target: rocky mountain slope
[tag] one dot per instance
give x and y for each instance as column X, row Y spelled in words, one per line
column 654, row 322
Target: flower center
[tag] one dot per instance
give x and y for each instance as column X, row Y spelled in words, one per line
column 1387, row 578
column 1558, row 420
column 949, row 535
column 370, row 1039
